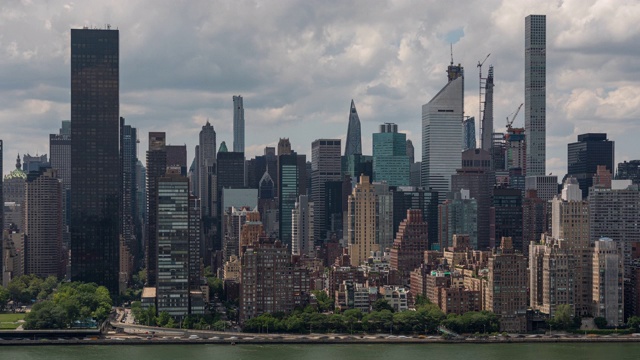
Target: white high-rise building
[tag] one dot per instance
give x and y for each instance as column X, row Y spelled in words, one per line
column 535, row 79
column 442, row 137
column 238, row 124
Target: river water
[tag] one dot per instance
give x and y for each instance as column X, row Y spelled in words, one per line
column 577, row 351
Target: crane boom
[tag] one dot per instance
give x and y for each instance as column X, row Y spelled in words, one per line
column 510, row 122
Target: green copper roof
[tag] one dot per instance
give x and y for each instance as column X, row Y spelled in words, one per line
column 17, row 173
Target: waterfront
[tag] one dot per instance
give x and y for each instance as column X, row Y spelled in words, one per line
column 551, row 351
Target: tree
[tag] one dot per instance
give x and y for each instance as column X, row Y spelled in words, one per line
column 4, row 297
column 422, row 300
column 634, row 323
column 163, row 318
column 600, row 322
column 46, row 315
column 325, row 303
column 216, row 287
column 382, row 304
column 563, row 318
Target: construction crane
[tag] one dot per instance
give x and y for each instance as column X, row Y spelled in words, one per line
column 510, row 122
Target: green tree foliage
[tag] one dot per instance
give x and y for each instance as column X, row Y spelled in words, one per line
column 4, row 298
column 27, row 288
column 325, row 303
column 422, row 300
column 143, row 316
column 634, row 323
column 69, row 303
column 163, row 319
column 425, row 319
column 47, row 315
column 600, row 322
column 472, row 322
column 563, row 318
column 381, row 304
column 216, row 287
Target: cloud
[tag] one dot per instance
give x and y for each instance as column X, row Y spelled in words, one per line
column 298, row 65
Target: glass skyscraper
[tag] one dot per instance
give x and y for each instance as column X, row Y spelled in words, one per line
column 173, row 244
column 96, row 172
column 390, row 160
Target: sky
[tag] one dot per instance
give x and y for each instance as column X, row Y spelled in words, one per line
column 298, row 64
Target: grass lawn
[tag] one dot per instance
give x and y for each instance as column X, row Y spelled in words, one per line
column 10, row 317
column 9, row 326
column 9, row 321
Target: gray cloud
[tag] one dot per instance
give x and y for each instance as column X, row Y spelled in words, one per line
column 298, row 65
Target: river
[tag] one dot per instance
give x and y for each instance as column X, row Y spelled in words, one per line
column 541, row 351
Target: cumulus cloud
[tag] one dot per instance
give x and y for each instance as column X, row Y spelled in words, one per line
column 299, row 64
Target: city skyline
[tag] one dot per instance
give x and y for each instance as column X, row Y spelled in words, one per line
column 388, row 68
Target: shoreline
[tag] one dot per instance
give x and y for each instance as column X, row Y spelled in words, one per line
column 312, row 341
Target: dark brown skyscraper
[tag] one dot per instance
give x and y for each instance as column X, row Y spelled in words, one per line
column 95, row 175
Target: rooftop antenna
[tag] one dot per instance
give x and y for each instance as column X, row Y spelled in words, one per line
column 451, row 44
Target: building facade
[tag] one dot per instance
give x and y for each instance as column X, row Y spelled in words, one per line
column 238, row 124
column 390, row 160
column 95, row 174
column 584, row 156
column 43, row 224
column 535, row 93
column 325, row 167
column 442, row 137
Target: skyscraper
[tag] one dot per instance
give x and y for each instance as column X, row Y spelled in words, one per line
column 487, row 115
column 390, row 160
column 585, row 155
column 96, row 173
column 34, row 163
column 43, row 224
column 362, row 222
column 477, row 177
column 506, row 218
column 288, row 179
column 172, row 215
column 442, row 136
column 302, row 227
column 206, row 158
column 411, row 152
column 354, row 137
column 325, row 167
column 156, row 168
column 238, row 124
column 129, row 160
column 1, row 194
column 469, row 133
column 535, row 82
column 60, row 155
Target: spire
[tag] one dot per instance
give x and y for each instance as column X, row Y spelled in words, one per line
column 354, row 137
column 223, row 147
column 18, row 164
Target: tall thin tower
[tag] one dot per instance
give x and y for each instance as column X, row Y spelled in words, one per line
column 535, row 79
column 238, row 124
column 96, row 171
column 487, row 114
column 354, row 137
